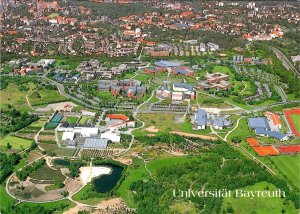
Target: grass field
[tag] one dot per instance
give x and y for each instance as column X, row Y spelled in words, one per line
column 296, row 121
column 84, row 119
column 16, row 142
column 289, row 166
column 13, row 96
column 72, row 120
column 46, row 97
column 40, row 123
column 52, row 205
column 83, row 192
column 266, row 205
column 6, row 200
column 140, row 173
column 242, row 130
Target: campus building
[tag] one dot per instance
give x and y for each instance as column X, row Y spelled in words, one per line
column 202, row 119
column 261, row 126
column 130, row 87
column 216, row 80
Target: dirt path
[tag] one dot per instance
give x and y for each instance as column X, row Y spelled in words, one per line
column 28, row 99
column 205, row 137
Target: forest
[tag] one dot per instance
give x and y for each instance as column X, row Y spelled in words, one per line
column 7, row 162
column 221, row 168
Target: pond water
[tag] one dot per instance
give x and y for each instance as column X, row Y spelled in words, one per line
column 61, row 162
column 105, row 183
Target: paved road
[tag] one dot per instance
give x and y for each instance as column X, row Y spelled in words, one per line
column 281, row 93
column 285, row 61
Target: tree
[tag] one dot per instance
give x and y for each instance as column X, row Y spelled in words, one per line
column 8, row 146
column 237, row 139
column 230, row 209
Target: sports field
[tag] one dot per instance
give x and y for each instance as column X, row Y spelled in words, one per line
column 296, row 121
column 293, row 117
column 257, row 205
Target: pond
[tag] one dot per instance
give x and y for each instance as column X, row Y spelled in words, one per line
column 105, row 183
column 61, row 162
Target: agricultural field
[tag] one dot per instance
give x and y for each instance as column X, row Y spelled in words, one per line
column 256, row 204
column 46, row 173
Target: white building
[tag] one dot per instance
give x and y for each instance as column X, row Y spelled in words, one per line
column 177, row 96
column 113, row 136
column 68, row 136
column 46, row 62
column 202, row 47
column 86, row 131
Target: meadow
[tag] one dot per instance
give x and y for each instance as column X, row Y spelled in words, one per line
column 16, row 143
column 257, row 205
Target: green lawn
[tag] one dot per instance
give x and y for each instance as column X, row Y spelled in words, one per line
column 84, row 119
column 258, row 205
column 46, row 97
column 296, row 121
column 40, row 123
column 72, row 120
column 6, row 200
column 52, row 205
column 289, row 166
column 16, row 142
column 242, row 130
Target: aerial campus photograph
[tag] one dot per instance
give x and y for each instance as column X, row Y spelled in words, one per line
column 149, row 107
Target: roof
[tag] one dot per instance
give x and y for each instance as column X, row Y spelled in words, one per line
column 183, row 85
column 274, row 117
column 219, row 122
column 201, row 117
column 165, row 63
column 95, row 143
column 260, row 122
column 118, row 116
column 68, row 136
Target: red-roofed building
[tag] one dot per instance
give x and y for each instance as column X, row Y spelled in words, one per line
column 117, row 117
column 273, row 119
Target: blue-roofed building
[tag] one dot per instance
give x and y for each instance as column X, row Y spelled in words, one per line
column 183, row 70
column 182, row 87
column 165, row 63
column 202, row 119
column 259, row 122
column 261, row 127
